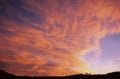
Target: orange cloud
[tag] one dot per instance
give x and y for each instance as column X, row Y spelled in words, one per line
column 52, row 35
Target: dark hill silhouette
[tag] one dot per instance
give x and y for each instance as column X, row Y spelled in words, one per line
column 114, row 75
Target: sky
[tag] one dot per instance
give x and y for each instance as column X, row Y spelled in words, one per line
column 59, row 37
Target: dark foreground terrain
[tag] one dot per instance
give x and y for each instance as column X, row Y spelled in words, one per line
column 114, row 75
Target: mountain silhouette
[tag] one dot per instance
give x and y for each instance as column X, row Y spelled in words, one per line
column 113, row 75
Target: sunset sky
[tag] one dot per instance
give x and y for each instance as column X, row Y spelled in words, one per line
column 59, row 37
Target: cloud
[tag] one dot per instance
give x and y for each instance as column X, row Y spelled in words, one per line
column 52, row 35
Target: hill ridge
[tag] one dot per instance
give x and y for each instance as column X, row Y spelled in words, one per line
column 112, row 75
